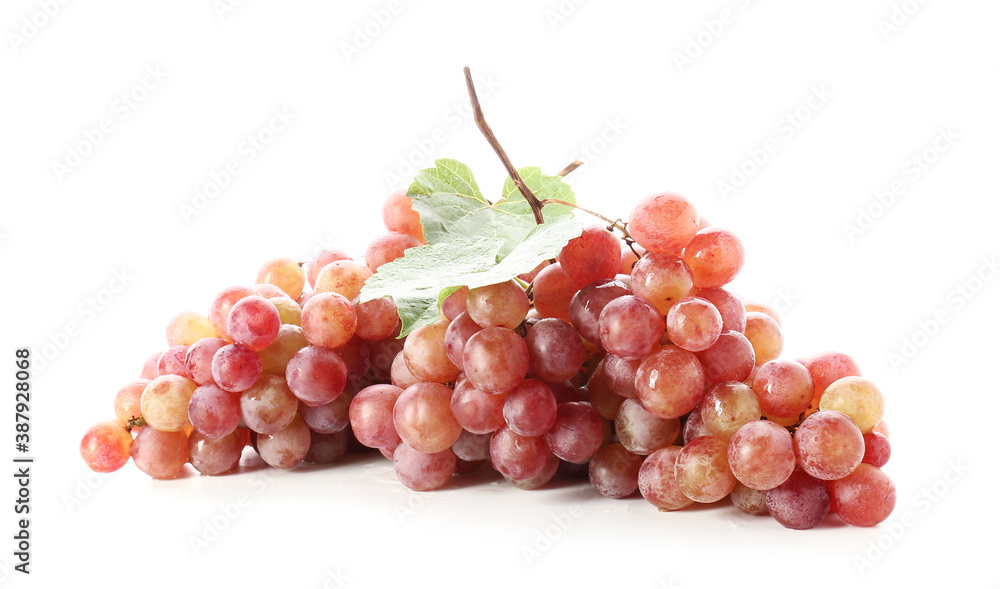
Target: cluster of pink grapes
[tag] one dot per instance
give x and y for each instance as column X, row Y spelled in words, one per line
column 631, row 365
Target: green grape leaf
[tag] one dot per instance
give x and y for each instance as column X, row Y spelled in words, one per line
column 419, row 281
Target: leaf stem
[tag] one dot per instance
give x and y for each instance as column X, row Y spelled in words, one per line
column 576, row 164
column 533, row 202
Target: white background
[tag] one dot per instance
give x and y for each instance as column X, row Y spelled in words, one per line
column 654, row 96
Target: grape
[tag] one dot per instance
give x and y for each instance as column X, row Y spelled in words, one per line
column 400, row 375
column 866, row 497
column 218, row 314
column 629, row 258
column 702, row 470
column 106, row 446
column 555, row 350
column 657, row 481
column 371, row 415
column 149, row 367
column 387, row 248
column 160, row 454
column 343, row 277
column 765, row 337
column 727, row 407
column 827, row 367
column 498, row 305
column 288, row 447
column 381, row 353
column 619, row 374
column 355, row 354
column 253, row 322
column 516, row 456
column 461, row 328
column 320, row 260
column 752, row 307
column 799, row 503
column 398, row 215
column 269, row 405
column 328, row 320
column 731, row 357
column 455, row 304
column 270, row 291
column 423, row 419
column 577, row 433
column 128, row 400
column 332, row 417
column 425, row 354
column 327, row 448
column 316, row 375
column 422, row 471
column 213, row 412
column 630, row 327
column 553, row 290
column 214, row 456
column 828, row 445
column 603, row 400
column 541, row 479
column 715, row 256
column 670, row 382
column 694, row 324
column 173, row 361
column 663, row 223
column 882, row 428
column 564, row 391
column 530, row 409
column 165, row 402
column 661, row 280
column 877, row 449
column 761, row 455
column 614, row 471
column 186, row 328
column 377, row 318
column 641, row 432
column 783, row 387
column 235, row 368
column 729, row 306
column 198, row 360
column 695, row 426
column 472, row 447
column 289, row 311
column 286, row 274
column 495, row 360
column 274, row 358
column 594, row 255
column 858, row 397
column 749, row 501
column 586, row 305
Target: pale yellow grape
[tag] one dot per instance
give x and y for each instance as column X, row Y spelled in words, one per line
column 857, row 397
column 188, row 327
column 165, row 402
column 288, row 310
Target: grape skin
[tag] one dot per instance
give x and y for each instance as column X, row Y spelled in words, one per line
column 663, row 223
column 328, row 320
column 630, row 327
column 159, row 454
column 765, row 336
column 286, row 448
column 661, row 280
column 421, row 471
column 828, row 445
column 165, row 401
column 857, row 397
column 800, row 502
column 715, row 257
column 498, row 305
column 594, row 255
column 578, row 433
column 371, row 415
column 866, row 497
column 555, row 350
column 587, row 304
column 657, row 481
column 702, row 470
column 614, row 471
column 670, row 382
column 128, row 400
column 423, row 419
column 213, row 412
column 388, row 247
column 106, row 447
column 286, row 274
column 495, row 360
column 216, row 456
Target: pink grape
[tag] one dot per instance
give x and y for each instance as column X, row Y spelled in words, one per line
column 694, row 324
column 235, row 368
column 472, row 447
column 128, row 400
column 577, row 433
column 327, row 448
column 495, row 360
column 530, row 409
column 423, row 419
column 516, row 456
column 269, row 405
column 731, row 357
column 213, row 412
column 702, row 470
column 663, row 223
column 215, row 456
column 539, row 480
column 730, row 307
column 320, row 260
column 218, row 314
column 670, row 382
column 586, row 305
column 423, row 471
column 371, row 415
column 877, row 449
column 715, row 257
column 328, row 320
column 377, row 318
column 498, row 305
column 398, row 215
column 555, row 350
column 198, row 359
column 761, row 455
column 800, row 502
column 783, row 387
column 106, row 447
column 866, row 497
column 630, row 327
column 149, row 367
column 343, row 277
column 274, row 358
column 695, row 426
column 604, row 400
column 553, row 290
column 658, row 483
column 461, row 328
column 727, row 407
column 765, row 336
column 332, row 417
column 641, row 432
column 160, row 454
column 253, row 322
column 286, row 274
column 749, row 501
column 286, row 448
column 388, row 247
column 426, row 355
column 594, row 255
column 661, row 280
column 316, row 375
column 826, row 368
column 828, row 445
column 400, row 374
column 455, row 304
column 614, row 471
column 620, row 374
column 172, row 361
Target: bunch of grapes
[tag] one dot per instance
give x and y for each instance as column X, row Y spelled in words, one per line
column 629, row 364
